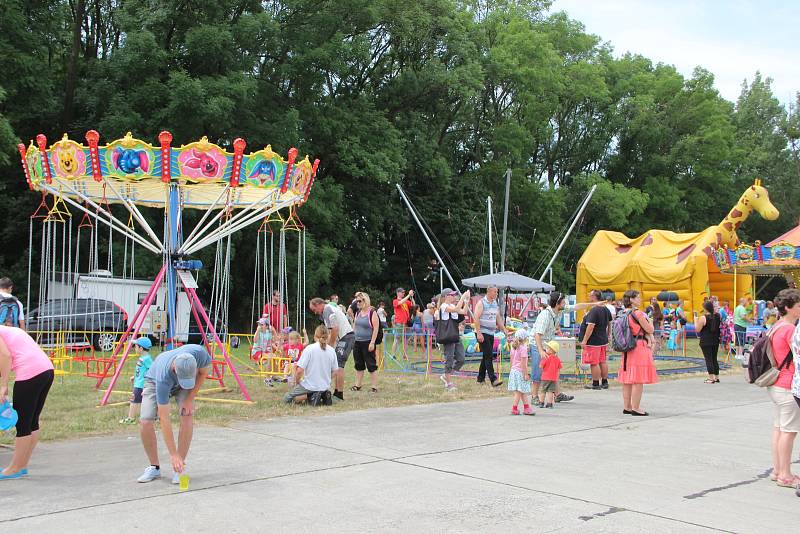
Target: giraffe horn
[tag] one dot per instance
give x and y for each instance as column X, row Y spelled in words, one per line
column 758, row 181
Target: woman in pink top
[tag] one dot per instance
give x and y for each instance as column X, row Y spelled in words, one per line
column 33, row 372
column 786, row 424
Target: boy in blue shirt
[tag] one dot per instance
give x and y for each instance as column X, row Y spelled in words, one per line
column 142, row 347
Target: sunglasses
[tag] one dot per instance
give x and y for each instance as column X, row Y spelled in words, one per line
column 360, row 301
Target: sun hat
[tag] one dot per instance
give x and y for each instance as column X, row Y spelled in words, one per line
column 8, row 416
column 521, row 335
column 186, row 370
column 144, row 342
column 263, row 321
column 553, row 345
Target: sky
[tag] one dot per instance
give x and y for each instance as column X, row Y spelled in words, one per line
column 732, row 39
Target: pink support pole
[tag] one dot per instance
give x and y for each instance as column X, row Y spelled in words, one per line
column 196, row 302
column 203, row 332
column 138, row 315
column 134, row 327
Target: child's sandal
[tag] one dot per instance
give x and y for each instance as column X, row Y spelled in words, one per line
column 355, row 388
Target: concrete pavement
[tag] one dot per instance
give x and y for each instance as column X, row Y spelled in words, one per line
column 699, row 463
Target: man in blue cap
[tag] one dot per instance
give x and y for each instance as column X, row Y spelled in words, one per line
column 176, row 373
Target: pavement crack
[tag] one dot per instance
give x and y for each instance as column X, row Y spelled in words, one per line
column 757, row 478
column 174, row 494
column 612, row 510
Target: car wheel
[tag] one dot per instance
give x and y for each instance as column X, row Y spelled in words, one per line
column 104, row 341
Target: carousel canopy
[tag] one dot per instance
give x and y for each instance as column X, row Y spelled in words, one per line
column 133, row 170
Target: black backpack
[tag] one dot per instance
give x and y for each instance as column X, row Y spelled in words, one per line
column 379, row 337
column 760, row 361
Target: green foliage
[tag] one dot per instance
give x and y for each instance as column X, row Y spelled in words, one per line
column 441, row 96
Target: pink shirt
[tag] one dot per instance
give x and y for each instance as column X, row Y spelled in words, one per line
column 781, row 343
column 27, row 359
column 519, row 359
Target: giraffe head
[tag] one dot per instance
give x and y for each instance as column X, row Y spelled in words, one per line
column 757, row 198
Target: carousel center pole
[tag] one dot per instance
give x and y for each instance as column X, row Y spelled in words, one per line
column 174, row 242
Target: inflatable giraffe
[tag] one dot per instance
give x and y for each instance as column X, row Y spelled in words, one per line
column 661, row 260
column 755, row 198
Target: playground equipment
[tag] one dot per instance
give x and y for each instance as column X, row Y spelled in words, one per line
column 663, row 260
column 240, row 189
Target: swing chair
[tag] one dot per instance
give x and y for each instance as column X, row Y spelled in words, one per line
column 264, row 361
column 234, row 191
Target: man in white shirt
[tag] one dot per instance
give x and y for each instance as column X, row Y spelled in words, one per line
column 10, row 307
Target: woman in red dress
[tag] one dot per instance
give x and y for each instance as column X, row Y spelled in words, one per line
column 637, row 367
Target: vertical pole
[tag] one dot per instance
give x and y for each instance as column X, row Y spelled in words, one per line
column 172, row 246
column 505, row 222
column 428, row 366
column 489, row 222
column 133, row 329
column 195, row 301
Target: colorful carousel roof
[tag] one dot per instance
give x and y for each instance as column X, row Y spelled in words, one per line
column 130, row 169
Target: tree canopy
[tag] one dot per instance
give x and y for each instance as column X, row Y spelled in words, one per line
column 441, row 96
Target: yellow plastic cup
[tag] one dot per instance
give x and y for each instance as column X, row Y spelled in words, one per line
column 183, row 480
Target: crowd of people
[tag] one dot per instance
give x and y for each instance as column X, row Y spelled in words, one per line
column 315, row 371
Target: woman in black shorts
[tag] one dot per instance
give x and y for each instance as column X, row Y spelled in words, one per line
column 33, row 372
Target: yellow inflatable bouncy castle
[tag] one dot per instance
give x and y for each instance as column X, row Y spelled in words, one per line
column 661, row 260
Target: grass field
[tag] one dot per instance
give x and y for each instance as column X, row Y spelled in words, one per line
column 72, row 411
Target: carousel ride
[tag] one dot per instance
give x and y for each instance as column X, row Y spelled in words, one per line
column 234, row 190
column 779, row 257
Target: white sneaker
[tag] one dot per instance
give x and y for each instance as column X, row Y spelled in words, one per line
column 150, row 474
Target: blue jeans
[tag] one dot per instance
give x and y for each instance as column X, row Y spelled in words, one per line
column 533, row 356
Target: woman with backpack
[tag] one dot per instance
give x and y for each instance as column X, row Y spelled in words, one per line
column 786, row 423
column 708, row 330
column 366, row 327
column 448, row 315
column 637, row 367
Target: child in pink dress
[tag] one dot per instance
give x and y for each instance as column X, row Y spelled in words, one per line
column 519, row 381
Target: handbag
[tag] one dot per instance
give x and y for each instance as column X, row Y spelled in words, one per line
column 446, row 329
